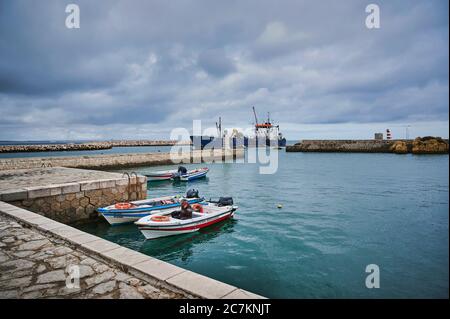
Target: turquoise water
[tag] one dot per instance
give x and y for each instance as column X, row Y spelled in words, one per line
column 340, row 213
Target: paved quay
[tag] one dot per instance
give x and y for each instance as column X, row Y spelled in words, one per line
column 67, row 194
column 35, row 266
column 38, row 253
column 42, row 177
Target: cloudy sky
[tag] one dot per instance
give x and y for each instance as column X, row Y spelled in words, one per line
column 137, row 69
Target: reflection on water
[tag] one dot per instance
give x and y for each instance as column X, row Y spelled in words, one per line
column 166, row 248
column 181, row 247
column 181, row 184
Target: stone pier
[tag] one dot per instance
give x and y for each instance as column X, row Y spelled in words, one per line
column 34, row 266
column 115, row 161
column 66, row 194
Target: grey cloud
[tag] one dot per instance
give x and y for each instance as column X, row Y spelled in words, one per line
column 151, row 64
column 215, row 62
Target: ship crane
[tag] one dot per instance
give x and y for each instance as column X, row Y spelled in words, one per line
column 219, row 127
column 256, row 118
column 266, row 125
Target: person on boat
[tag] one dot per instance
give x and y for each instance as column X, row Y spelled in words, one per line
column 185, row 212
column 182, row 170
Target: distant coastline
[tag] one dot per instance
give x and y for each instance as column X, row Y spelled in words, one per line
column 40, row 146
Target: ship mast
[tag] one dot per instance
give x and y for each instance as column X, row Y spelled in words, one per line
column 256, row 121
column 219, row 130
column 219, row 127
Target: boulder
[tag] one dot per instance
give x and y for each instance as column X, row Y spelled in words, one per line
column 399, row 147
column 429, row 145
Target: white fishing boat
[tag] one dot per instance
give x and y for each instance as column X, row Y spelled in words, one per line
column 163, row 224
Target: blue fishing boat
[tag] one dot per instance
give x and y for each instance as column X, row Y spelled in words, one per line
column 121, row 213
column 195, row 174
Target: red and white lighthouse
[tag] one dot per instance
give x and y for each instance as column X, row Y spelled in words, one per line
column 388, row 134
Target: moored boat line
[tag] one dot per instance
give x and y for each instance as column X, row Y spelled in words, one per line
column 160, row 217
column 122, row 213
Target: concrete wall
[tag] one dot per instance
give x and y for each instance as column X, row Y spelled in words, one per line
column 112, row 161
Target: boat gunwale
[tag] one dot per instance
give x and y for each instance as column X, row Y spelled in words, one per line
column 105, row 211
column 181, row 223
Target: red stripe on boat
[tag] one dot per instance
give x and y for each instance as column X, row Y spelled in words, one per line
column 191, row 227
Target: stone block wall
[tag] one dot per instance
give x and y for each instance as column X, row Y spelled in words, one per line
column 74, row 202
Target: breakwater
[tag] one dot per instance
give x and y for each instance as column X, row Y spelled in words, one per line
column 131, row 143
column 88, row 146
column 113, row 161
column 54, row 147
column 425, row 145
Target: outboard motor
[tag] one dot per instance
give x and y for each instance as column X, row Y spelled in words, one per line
column 182, row 170
column 225, row 201
column 192, row 193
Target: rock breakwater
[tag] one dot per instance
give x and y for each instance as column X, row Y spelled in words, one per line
column 54, row 147
column 425, row 145
column 88, row 146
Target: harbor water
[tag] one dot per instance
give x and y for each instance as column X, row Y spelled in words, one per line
column 339, row 213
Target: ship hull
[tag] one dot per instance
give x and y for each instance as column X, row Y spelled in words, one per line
column 214, row 142
column 261, row 142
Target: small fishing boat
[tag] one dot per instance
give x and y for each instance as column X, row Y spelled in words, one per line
column 181, row 174
column 194, row 174
column 122, row 213
column 163, row 224
column 161, row 175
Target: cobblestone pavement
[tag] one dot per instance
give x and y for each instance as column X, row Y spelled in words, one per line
column 35, row 266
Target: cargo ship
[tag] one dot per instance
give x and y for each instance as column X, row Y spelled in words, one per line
column 265, row 134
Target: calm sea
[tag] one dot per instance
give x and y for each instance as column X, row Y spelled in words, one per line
column 340, row 213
